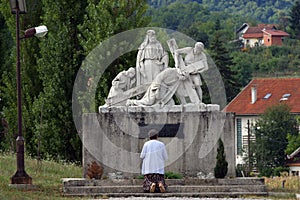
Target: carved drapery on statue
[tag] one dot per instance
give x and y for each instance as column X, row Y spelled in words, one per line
column 152, row 82
column 151, row 59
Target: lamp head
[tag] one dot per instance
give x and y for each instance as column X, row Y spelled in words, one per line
column 18, row 5
column 39, row 31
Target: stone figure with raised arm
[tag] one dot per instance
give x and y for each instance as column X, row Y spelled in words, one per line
column 151, row 59
column 195, row 62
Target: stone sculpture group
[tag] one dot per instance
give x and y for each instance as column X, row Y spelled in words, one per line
column 153, row 82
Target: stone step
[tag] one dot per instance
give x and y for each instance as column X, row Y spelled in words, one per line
column 164, row 195
column 190, row 181
column 171, row 189
column 176, row 188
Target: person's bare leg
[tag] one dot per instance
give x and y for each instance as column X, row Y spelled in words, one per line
column 152, row 187
column 161, row 187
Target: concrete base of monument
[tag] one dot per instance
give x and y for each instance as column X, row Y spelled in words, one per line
column 190, row 107
column 114, row 139
column 188, row 187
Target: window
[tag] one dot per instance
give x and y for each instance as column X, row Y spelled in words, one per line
column 286, row 95
column 267, row 96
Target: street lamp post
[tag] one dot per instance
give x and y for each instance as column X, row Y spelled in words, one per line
column 19, row 7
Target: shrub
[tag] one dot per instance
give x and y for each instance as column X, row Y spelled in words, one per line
column 278, row 171
column 139, row 177
column 171, row 175
column 221, row 167
column 94, row 170
column 266, row 171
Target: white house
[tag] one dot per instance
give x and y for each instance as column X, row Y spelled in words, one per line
column 252, row 101
column 260, row 35
column 293, row 162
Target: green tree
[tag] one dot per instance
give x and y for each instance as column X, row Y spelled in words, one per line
column 221, row 167
column 293, row 140
column 271, row 131
column 30, row 81
column 6, row 47
column 242, row 66
column 223, row 61
column 60, row 59
column 295, row 20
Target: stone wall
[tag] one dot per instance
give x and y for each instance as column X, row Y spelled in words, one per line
column 114, row 140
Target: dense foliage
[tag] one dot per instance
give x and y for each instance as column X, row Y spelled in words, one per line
column 271, row 133
column 265, row 11
column 293, row 140
column 294, row 20
column 224, row 63
column 221, row 167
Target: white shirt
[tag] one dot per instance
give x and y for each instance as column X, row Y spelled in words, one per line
column 154, row 154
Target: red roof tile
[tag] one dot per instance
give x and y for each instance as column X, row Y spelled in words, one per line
column 277, row 87
column 253, row 32
column 257, row 31
column 253, row 35
column 276, row 32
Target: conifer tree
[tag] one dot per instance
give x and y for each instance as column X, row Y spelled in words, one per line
column 223, row 61
column 221, row 167
column 59, row 62
column 295, row 20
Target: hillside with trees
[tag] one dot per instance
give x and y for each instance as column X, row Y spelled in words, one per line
column 265, row 11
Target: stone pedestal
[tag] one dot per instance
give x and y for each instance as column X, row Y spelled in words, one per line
column 114, row 138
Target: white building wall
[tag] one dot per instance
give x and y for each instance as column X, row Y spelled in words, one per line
column 245, row 131
column 252, row 42
column 295, row 170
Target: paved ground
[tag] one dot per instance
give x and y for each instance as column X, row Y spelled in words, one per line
column 183, row 198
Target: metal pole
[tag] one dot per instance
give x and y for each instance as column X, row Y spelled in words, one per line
column 249, row 158
column 20, row 177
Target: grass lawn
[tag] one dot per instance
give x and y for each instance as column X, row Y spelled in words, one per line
column 46, row 176
column 287, row 184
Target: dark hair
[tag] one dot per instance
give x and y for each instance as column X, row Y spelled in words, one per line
column 154, row 137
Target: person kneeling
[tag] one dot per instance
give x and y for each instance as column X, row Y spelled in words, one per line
column 154, row 154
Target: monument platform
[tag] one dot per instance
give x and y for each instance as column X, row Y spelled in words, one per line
column 114, row 139
column 190, row 187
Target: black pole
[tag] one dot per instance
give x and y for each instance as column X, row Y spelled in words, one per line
column 249, row 158
column 20, row 177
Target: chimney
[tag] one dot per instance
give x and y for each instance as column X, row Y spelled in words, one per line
column 253, row 94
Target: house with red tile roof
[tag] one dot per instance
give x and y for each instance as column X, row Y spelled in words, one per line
column 261, row 35
column 253, row 100
column 293, row 162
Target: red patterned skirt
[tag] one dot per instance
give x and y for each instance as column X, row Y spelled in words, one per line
column 153, row 178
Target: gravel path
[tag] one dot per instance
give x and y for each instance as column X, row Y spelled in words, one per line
column 183, row 198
